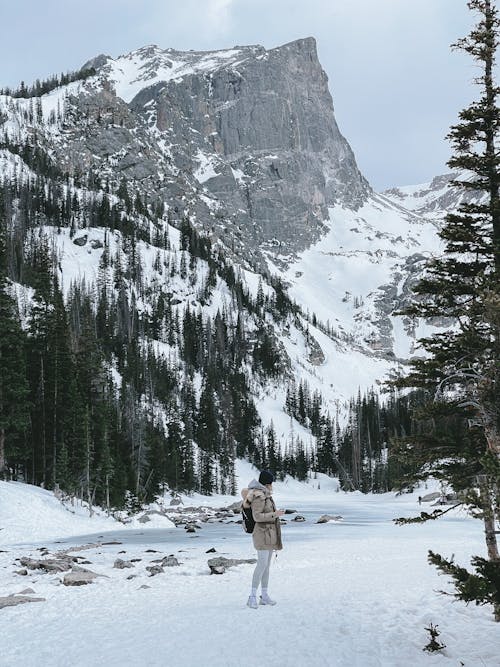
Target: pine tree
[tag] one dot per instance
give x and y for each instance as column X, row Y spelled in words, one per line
column 14, row 415
column 461, row 371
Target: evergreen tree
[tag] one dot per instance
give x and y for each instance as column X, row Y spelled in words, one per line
column 13, row 385
column 461, row 371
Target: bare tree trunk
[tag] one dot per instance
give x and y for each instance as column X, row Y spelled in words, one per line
column 44, row 451
column 88, row 456
column 54, row 426
column 2, row 452
column 489, row 531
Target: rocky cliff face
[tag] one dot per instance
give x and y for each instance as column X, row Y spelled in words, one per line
column 244, row 140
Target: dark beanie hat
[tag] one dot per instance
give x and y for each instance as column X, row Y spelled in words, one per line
column 266, row 477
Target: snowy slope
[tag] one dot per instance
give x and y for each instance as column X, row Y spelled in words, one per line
column 356, row 276
column 434, row 199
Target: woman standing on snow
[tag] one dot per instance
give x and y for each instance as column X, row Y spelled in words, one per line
column 266, row 534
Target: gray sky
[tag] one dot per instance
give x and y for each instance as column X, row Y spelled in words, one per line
column 395, row 83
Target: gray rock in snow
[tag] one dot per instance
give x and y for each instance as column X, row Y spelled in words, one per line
column 79, row 577
column 154, row 570
column 13, row 600
column 120, row 564
column 170, row 561
column 80, row 240
column 431, row 496
column 299, row 518
column 219, row 564
column 62, row 564
column 327, row 517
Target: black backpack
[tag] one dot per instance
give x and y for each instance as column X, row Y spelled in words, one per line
column 248, row 520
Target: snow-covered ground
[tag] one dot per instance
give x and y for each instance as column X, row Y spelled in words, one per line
column 352, row 593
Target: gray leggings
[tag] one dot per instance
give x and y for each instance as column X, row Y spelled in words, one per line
column 261, row 573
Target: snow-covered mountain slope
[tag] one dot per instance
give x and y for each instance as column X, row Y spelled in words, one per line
column 244, row 143
column 432, row 200
column 360, row 272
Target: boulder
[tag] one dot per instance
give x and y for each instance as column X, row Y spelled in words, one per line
column 290, row 511
column 211, row 551
column 431, row 496
column 62, row 564
column 327, row 517
column 220, row 564
column 170, row 561
column 154, row 569
column 299, row 518
column 14, row 600
column 79, row 577
column 235, row 507
column 80, row 240
column 120, row 564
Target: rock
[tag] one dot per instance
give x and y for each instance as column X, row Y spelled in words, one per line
column 144, row 519
column 155, row 569
column 235, row 507
column 431, row 496
column 13, row 600
column 211, row 551
column 170, row 561
column 80, row 240
column 143, row 586
column 135, row 560
column 131, row 576
column 299, row 518
column 104, row 544
column 327, row 517
column 26, row 591
column 190, row 528
column 283, row 520
column 290, row 511
column 175, row 502
column 95, row 244
column 120, row 564
column 22, row 573
column 220, row 564
column 79, row 577
column 151, row 551
column 49, row 564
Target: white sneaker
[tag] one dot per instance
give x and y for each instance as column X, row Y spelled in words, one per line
column 265, row 599
column 252, row 602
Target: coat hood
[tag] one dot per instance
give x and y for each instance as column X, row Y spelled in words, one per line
column 255, row 484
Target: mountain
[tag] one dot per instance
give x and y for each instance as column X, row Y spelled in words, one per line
column 190, row 233
column 432, row 200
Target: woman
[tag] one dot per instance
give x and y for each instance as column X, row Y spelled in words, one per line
column 266, row 534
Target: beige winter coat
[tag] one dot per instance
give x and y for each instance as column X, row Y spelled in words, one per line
column 267, row 532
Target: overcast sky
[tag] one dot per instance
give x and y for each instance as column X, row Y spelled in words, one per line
column 395, row 83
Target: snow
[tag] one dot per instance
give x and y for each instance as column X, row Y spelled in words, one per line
column 206, row 169
column 29, row 514
column 151, row 65
column 352, row 593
